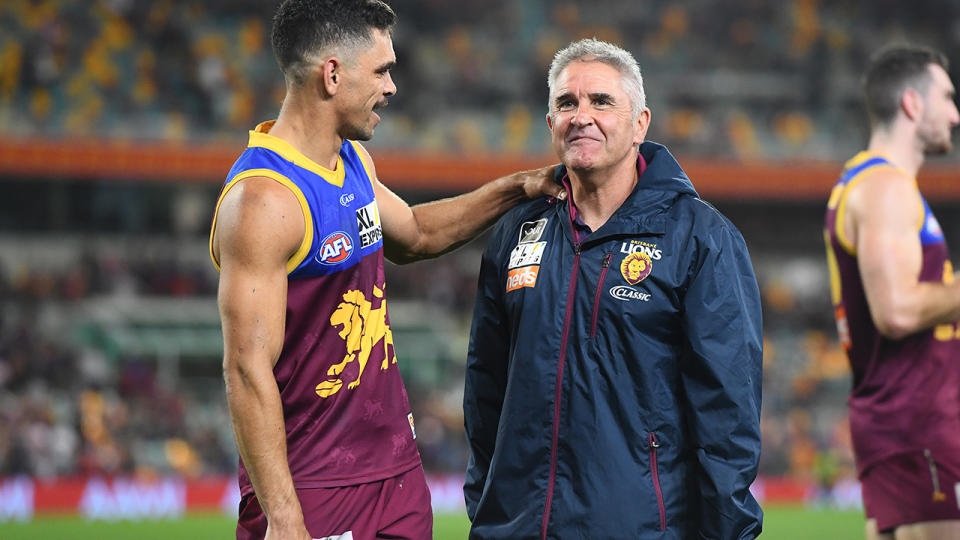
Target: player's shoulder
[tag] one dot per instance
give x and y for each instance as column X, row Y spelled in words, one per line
column 259, row 211
column 258, row 200
column 884, row 186
column 883, row 180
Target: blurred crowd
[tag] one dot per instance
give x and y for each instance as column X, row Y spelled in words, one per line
column 744, row 78
column 82, row 394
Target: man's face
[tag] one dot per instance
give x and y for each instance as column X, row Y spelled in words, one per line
column 366, row 86
column 590, row 119
column 940, row 114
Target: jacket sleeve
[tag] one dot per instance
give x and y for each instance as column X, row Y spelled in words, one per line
column 486, row 375
column 721, row 373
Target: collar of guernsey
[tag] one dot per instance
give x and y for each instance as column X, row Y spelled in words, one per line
column 311, row 183
column 856, row 169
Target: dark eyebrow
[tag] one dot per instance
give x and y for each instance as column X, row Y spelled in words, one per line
column 602, row 95
column 386, row 67
column 562, row 97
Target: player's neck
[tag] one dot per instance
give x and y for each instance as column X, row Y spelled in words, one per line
column 598, row 194
column 900, row 147
column 306, row 126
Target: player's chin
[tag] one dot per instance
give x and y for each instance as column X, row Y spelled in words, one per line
column 364, row 133
column 940, row 148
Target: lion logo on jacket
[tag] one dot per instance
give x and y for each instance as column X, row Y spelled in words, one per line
column 362, row 329
column 635, row 267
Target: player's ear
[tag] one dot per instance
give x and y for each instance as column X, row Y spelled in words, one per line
column 911, row 103
column 549, row 122
column 331, row 75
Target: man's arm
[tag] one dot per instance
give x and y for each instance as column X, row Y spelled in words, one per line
column 432, row 229
column 721, row 377
column 885, row 210
column 259, row 226
column 486, row 377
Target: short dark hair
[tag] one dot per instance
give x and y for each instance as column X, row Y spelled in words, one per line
column 891, row 71
column 305, row 27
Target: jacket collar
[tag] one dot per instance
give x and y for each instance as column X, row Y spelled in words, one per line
column 662, row 182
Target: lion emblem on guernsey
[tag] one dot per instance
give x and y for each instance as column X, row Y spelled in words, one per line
column 362, row 329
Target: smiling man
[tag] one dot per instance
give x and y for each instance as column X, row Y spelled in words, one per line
column 302, row 225
column 614, row 370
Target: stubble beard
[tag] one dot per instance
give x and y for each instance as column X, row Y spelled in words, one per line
column 937, row 147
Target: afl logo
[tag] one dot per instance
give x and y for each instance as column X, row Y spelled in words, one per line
column 335, row 248
column 635, row 267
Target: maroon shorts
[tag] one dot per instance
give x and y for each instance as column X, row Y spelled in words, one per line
column 912, row 488
column 398, row 507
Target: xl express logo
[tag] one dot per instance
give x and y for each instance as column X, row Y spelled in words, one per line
column 368, row 225
column 335, row 248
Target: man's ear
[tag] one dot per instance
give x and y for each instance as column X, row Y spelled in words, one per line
column 641, row 126
column 549, row 122
column 911, row 103
column 331, row 75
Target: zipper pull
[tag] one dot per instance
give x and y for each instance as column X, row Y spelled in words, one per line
column 938, row 496
column 606, row 260
column 653, row 442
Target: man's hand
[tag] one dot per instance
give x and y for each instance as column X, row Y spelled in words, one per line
column 539, row 182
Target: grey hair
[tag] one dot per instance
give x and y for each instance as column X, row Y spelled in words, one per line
column 594, row 50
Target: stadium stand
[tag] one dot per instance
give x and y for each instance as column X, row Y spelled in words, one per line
column 109, row 334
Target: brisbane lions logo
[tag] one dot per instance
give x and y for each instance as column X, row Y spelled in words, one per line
column 362, row 329
column 635, row 267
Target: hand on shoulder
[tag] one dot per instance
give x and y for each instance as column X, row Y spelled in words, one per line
column 539, row 183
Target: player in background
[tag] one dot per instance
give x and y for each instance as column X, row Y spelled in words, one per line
column 896, row 303
column 321, row 417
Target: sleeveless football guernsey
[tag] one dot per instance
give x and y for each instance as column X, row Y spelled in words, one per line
column 347, row 416
column 906, row 392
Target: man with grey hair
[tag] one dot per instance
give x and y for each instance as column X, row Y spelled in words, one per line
column 614, row 369
column 301, row 228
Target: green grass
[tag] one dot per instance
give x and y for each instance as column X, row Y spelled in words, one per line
column 781, row 523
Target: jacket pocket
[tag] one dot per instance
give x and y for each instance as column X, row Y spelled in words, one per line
column 653, row 445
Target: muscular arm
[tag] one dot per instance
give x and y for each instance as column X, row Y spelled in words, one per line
column 432, row 229
column 884, row 211
column 259, row 226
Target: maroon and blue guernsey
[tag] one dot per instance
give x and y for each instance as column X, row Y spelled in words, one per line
column 347, row 416
column 906, row 392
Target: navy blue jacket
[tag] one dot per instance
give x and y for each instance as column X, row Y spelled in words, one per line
column 613, row 379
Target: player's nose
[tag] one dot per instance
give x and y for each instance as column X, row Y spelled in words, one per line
column 389, row 87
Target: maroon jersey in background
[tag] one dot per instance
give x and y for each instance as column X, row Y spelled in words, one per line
column 906, row 392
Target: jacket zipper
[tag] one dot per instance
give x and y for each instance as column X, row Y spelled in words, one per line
column 596, row 298
column 557, row 394
column 656, row 481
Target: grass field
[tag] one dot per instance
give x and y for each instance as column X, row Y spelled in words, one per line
column 781, row 523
